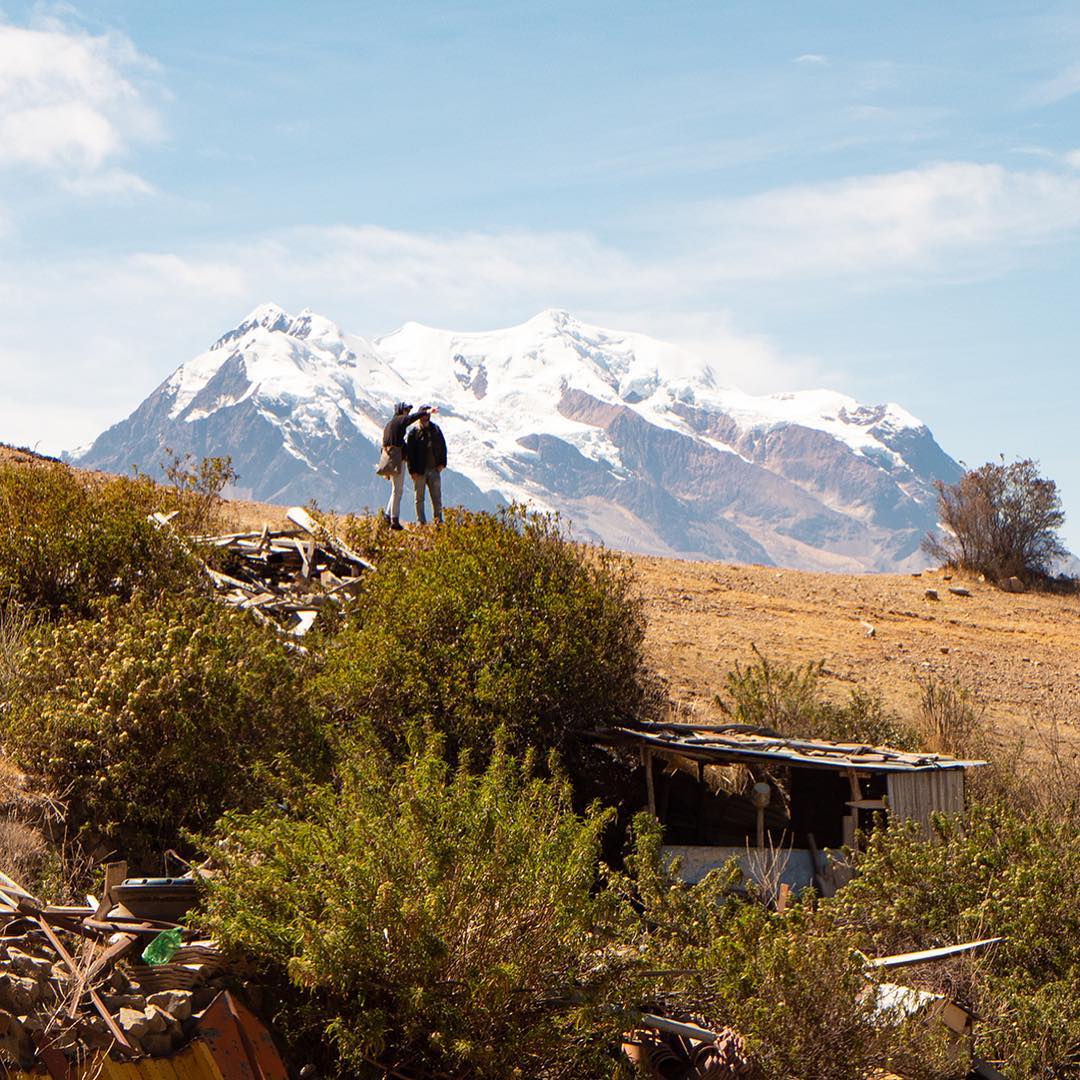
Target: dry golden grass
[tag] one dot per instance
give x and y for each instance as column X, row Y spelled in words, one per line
column 1019, row 654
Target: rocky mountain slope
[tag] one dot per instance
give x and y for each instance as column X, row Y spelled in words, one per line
column 632, row 439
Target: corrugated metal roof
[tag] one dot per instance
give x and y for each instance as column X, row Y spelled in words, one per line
column 734, row 743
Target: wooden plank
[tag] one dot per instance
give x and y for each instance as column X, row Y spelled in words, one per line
column 110, row 1021
column 113, row 953
column 675, row 1027
column 926, row 955
column 115, row 873
column 650, row 789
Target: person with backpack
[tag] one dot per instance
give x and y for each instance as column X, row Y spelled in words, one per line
column 425, row 454
column 391, row 461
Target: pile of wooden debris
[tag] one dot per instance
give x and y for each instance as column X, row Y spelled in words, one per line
column 284, row 577
column 100, row 977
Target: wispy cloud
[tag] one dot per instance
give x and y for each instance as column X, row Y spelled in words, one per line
column 71, row 103
column 1061, row 86
column 108, row 182
column 936, row 218
column 945, row 219
column 812, row 59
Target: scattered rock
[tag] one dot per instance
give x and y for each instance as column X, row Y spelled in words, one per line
column 18, row 994
column 945, row 649
column 931, row 594
column 157, row 1044
column 157, row 1020
column 869, row 628
column 30, row 967
column 177, row 1003
column 1012, row 585
column 959, row 590
column 124, row 1001
column 15, row 1040
column 134, row 1023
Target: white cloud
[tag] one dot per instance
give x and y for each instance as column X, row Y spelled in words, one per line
column 106, row 330
column 71, row 102
column 1061, row 86
column 813, row 59
column 108, row 182
column 937, row 218
column 1072, row 158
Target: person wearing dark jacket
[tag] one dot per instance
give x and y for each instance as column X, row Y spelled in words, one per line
column 425, row 454
column 391, row 463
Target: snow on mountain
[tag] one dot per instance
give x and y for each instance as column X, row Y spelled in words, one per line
column 634, row 439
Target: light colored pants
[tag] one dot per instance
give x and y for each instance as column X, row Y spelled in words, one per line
column 429, row 481
column 397, row 486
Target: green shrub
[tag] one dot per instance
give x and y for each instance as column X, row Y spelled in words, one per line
column 154, row 718
column 195, row 491
column 789, row 702
column 493, row 623
column 993, row 873
column 792, row 985
column 429, row 918
column 67, row 539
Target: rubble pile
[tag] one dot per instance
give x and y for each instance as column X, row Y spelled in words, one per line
column 74, row 980
column 284, row 577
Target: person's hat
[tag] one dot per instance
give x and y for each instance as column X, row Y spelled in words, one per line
column 402, row 407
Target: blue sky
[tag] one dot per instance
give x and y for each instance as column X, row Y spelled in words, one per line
column 884, row 199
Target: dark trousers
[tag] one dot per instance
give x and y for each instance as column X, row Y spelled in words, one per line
column 429, row 481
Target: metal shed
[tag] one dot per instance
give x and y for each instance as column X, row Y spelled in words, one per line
column 810, row 798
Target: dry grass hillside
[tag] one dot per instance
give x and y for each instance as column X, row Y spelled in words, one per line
column 1020, row 654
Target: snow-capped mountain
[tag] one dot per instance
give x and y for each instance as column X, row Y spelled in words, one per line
column 634, row 440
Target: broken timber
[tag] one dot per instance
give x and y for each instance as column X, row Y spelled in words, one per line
column 284, row 577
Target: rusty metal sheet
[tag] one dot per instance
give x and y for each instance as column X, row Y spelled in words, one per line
column 220, row 1032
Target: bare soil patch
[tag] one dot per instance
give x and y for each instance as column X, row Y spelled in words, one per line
column 1020, row 654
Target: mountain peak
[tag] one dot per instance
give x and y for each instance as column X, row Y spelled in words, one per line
column 632, row 437
column 269, row 315
column 558, row 317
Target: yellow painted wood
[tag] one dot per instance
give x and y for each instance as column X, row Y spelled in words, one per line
column 106, row 1068
column 156, row 1069
column 202, row 1064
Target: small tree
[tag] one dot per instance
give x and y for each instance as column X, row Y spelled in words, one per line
column 1000, row 520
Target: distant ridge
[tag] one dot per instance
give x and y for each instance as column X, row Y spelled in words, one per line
column 633, row 439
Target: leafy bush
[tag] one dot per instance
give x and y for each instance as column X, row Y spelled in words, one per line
column 793, row 985
column 155, row 717
column 950, row 718
column 430, row 918
column 994, row 873
column 67, row 539
column 1000, row 520
column 495, row 622
column 789, row 701
column 195, row 491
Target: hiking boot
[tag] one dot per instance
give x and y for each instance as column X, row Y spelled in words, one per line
column 395, row 524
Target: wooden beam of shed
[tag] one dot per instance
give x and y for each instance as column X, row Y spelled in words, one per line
column 650, row 787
